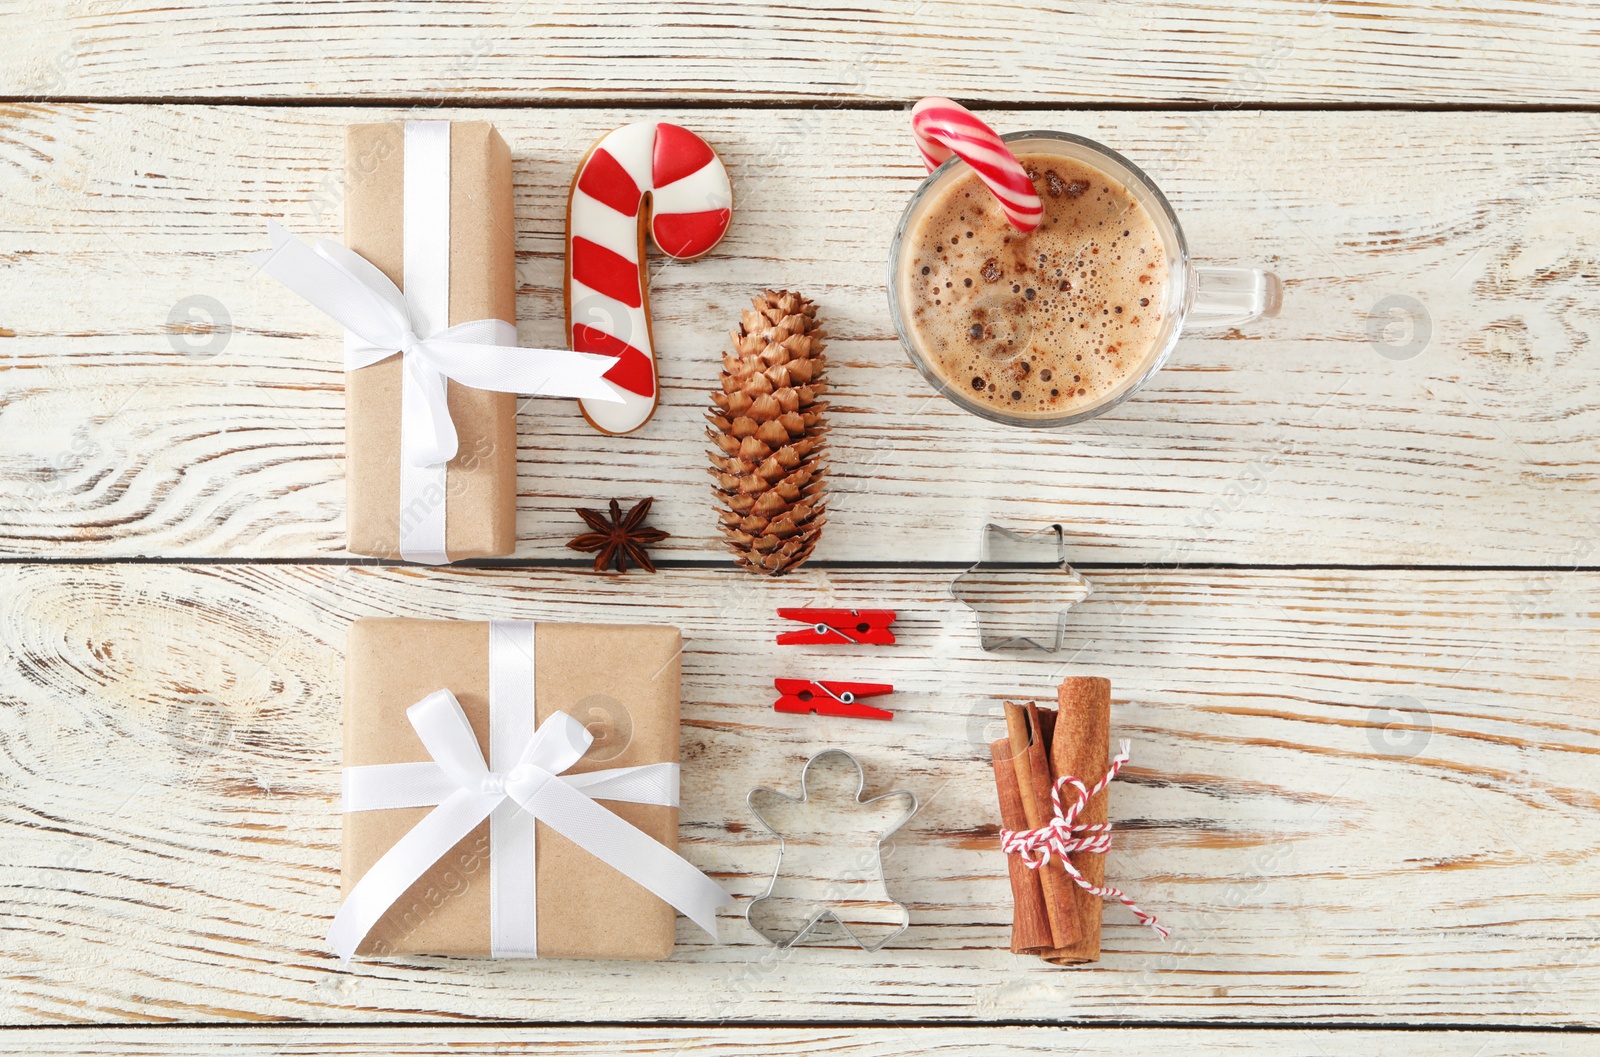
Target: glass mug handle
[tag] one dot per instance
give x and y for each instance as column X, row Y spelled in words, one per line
column 1228, row 296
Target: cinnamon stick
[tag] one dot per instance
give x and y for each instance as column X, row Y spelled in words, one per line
column 1079, row 747
column 1031, row 758
column 1030, row 927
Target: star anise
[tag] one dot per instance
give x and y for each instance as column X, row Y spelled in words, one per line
column 619, row 539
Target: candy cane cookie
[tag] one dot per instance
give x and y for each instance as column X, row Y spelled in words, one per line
column 645, row 175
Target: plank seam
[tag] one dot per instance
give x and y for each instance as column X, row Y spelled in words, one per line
column 713, row 564
column 737, row 102
column 832, row 1025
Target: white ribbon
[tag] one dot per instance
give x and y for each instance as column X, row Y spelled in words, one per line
column 382, row 786
column 425, row 281
column 466, row 791
column 380, row 322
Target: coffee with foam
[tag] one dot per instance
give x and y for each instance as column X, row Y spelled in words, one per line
column 1042, row 324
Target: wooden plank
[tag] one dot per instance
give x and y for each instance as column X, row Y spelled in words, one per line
column 1299, row 440
column 987, row 1041
column 1307, row 51
column 1356, row 797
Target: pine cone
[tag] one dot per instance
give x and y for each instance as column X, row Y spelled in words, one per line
column 767, row 426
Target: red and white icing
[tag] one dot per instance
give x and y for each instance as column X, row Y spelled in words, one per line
column 646, row 173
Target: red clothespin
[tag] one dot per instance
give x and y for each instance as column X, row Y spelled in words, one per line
column 839, row 627
column 830, row 699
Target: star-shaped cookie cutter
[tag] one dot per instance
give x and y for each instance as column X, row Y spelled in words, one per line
column 1021, row 588
column 860, row 896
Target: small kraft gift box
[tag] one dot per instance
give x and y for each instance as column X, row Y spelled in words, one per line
column 462, row 239
column 483, row 818
column 425, row 289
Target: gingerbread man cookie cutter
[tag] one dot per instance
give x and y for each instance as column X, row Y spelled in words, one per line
column 830, row 855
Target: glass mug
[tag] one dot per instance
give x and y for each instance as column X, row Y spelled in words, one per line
column 1194, row 296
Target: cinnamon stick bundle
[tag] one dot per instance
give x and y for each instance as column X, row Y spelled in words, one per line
column 1054, row 918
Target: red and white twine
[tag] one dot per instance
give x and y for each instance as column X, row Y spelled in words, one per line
column 1063, row 835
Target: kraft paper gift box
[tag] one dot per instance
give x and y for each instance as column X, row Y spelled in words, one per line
column 481, row 481
column 622, row 680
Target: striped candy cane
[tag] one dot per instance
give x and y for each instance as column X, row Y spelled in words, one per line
column 944, row 127
column 646, row 175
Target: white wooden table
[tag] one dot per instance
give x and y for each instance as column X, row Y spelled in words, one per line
column 1346, row 560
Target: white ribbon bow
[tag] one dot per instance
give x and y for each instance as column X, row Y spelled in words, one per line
column 483, row 353
column 536, row 786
